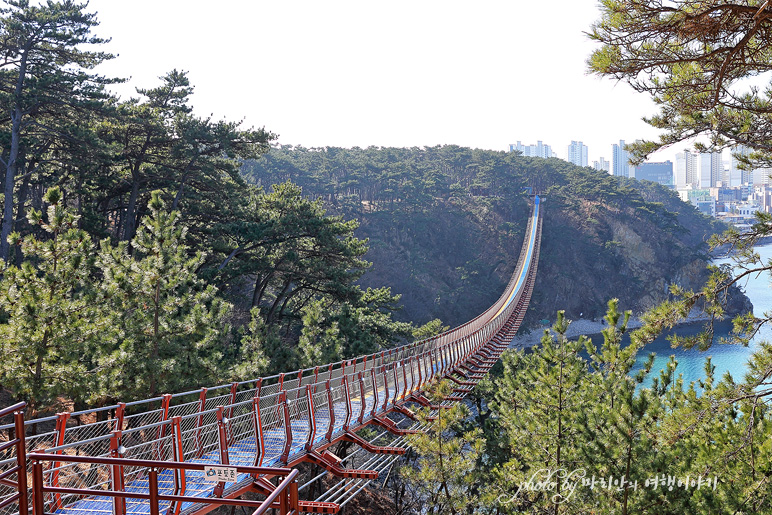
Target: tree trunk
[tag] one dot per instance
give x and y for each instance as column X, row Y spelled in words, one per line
column 131, row 210
column 10, row 170
column 23, row 189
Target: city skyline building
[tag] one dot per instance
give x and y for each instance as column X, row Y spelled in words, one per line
column 711, row 167
column 620, row 159
column 686, row 170
column 577, row 153
column 660, row 172
column 761, row 176
column 539, row 150
column 602, row 164
column 738, row 176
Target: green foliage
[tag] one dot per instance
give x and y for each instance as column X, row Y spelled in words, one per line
column 574, row 419
column 694, row 58
column 429, row 329
column 447, row 458
column 428, row 249
column 543, row 424
column 45, row 78
column 167, row 323
column 53, row 325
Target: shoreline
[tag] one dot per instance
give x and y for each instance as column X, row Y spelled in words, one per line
column 587, row 327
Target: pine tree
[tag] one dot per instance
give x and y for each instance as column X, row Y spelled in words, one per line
column 542, row 422
column 169, row 326
column 52, row 323
column 446, row 458
column 44, row 69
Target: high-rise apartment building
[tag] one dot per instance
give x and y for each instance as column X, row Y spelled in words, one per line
column 577, row 153
column 737, row 176
column 538, row 150
column 761, row 176
column 602, row 164
column 686, row 170
column 710, row 169
column 620, row 160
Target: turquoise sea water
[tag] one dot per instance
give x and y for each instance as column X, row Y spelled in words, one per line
column 726, row 358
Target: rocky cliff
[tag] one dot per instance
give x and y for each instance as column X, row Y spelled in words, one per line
column 445, row 226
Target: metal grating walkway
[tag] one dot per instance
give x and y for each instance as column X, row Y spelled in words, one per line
column 146, row 450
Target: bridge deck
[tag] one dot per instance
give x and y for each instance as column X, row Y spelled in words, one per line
column 274, row 422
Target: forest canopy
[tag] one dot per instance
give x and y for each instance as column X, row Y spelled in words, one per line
column 705, row 64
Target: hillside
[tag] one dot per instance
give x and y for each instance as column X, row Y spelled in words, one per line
column 445, row 225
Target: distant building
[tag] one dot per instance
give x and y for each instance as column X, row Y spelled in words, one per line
column 686, row 170
column 538, row 150
column 577, row 153
column 761, row 176
column 620, row 160
column 710, row 169
column 655, row 172
column 700, row 198
column 738, row 176
column 707, row 207
column 602, row 164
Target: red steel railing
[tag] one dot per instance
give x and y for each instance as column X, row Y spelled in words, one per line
column 20, row 468
column 172, row 429
column 284, row 497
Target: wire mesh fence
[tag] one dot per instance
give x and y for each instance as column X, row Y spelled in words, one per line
column 310, row 406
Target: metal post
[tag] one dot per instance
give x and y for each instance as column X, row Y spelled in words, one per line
column 61, row 428
column 311, row 418
column 331, row 408
column 294, row 497
column 153, row 484
column 361, row 398
column 259, row 390
column 287, row 427
column 179, row 474
column 223, row 442
column 348, row 403
column 228, row 427
column 200, row 423
column 412, row 377
column 120, row 412
column 21, row 462
column 116, row 473
column 386, row 387
column 37, row 488
column 374, row 381
column 166, row 400
column 257, row 422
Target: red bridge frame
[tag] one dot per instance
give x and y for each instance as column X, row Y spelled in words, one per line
column 149, row 456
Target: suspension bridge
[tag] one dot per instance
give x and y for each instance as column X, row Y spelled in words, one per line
column 192, row 452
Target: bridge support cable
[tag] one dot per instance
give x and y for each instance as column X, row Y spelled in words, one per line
column 190, row 452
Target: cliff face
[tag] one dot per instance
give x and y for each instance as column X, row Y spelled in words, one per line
column 454, row 261
column 446, row 224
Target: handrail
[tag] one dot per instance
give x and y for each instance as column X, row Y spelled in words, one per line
column 289, row 482
column 40, row 488
column 20, row 469
column 438, row 341
column 365, row 389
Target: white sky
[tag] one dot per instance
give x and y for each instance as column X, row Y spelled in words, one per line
column 399, row 73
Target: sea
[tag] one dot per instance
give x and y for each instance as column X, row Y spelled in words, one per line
column 725, row 357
